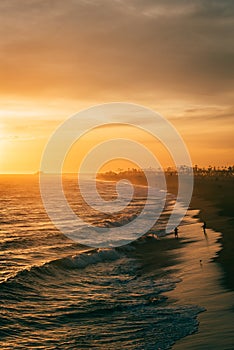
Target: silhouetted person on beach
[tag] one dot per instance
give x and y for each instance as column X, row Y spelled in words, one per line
column 204, row 227
column 176, row 232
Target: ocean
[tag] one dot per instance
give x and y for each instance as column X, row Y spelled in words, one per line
column 58, row 294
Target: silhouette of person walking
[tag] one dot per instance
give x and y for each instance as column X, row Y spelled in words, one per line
column 204, row 227
column 176, row 232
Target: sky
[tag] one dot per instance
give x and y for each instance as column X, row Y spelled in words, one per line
column 58, row 57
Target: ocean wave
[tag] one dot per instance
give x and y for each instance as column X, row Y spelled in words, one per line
column 79, row 261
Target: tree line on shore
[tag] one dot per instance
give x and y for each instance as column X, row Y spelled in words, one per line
column 212, row 171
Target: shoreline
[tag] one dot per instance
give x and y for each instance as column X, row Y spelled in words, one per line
column 213, row 197
column 216, row 205
column 214, row 200
column 200, row 285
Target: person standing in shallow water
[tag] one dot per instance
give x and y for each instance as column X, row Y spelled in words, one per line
column 176, row 232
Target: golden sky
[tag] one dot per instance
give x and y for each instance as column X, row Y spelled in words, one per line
column 57, row 57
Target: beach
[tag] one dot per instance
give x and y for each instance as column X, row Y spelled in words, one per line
column 215, row 200
column 213, row 284
column 213, row 197
column 212, row 281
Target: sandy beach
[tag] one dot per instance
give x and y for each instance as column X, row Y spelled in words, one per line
column 205, row 263
column 201, row 278
column 211, row 283
column 213, row 198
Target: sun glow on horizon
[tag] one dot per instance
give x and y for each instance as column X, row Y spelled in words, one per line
column 25, row 132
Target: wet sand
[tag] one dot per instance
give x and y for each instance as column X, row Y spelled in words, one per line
column 211, row 283
column 192, row 258
column 214, row 199
column 201, row 286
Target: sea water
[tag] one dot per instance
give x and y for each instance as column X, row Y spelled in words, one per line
column 58, row 294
